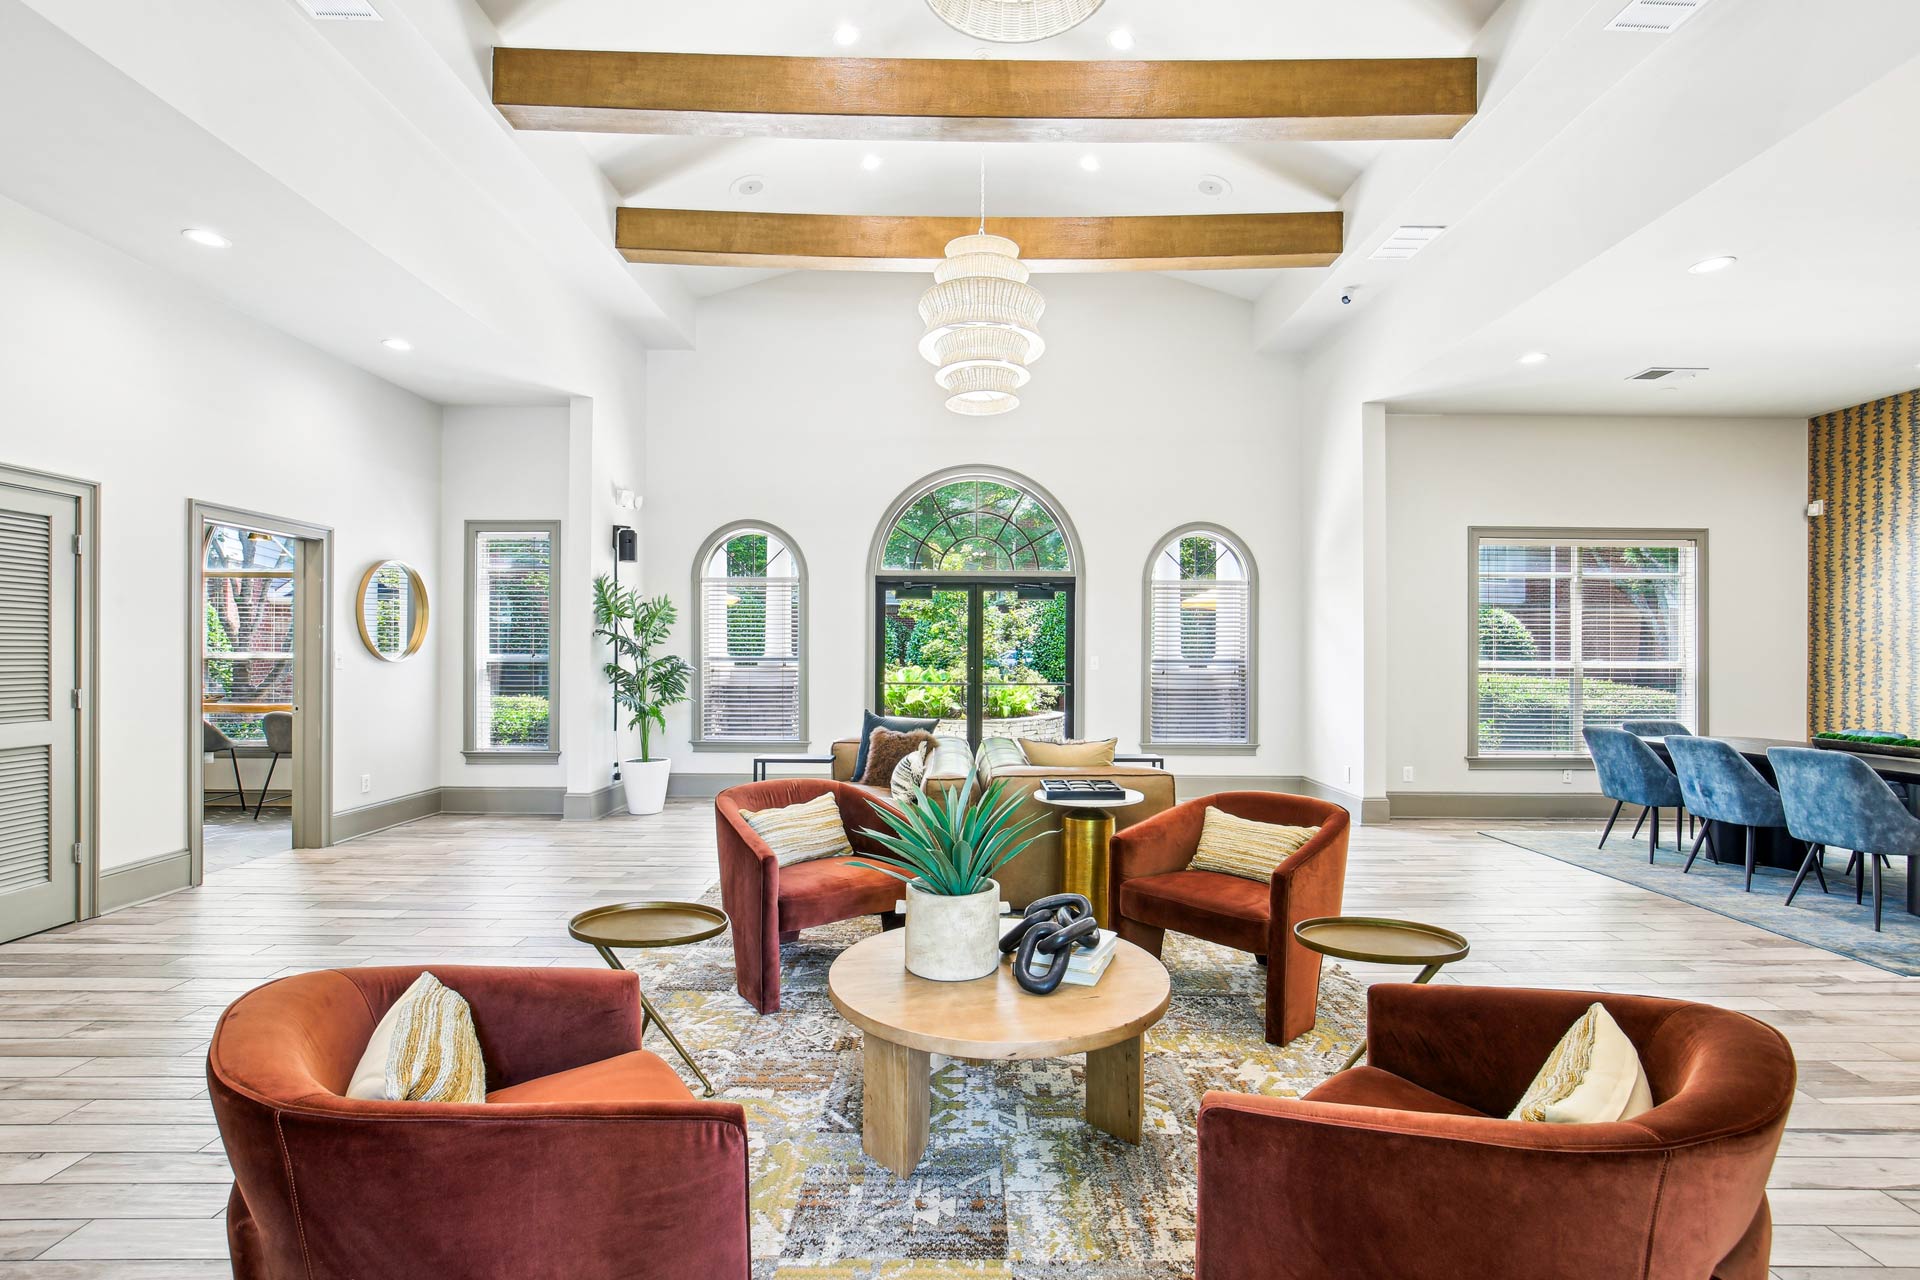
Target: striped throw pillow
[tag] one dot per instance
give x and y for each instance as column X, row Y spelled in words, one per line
column 424, row 1050
column 1242, row 847
column 802, row 832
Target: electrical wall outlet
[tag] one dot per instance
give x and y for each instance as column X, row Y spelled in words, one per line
column 339, row 661
column 1349, row 773
column 1566, row 776
column 366, row 783
column 1406, row 773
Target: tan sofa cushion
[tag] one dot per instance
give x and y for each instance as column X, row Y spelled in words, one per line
column 1096, row 753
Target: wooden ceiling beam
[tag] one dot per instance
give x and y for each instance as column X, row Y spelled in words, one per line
column 836, row 242
column 729, row 95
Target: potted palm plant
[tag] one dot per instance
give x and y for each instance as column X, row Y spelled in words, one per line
column 946, row 849
column 644, row 684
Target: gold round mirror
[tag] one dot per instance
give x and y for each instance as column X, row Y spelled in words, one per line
column 393, row 610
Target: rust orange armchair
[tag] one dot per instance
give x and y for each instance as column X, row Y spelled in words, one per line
column 589, row 1159
column 770, row 904
column 1407, row 1167
column 1153, row 891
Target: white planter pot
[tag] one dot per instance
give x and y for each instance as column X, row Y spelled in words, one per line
column 646, row 784
column 953, row 939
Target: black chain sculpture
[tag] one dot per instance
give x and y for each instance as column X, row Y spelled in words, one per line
column 1052, row 927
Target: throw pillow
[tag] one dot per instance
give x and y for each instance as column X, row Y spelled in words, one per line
column 1089, row 754
column 1242, row 847
column 802, row 832
column 887, row 748
column 908, row 776
column 870, row 722
column 996, row 754
column 424, row 1050
column 1593, row 1076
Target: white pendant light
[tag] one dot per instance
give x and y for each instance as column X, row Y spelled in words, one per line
column 1013, row 21
column 982, row 321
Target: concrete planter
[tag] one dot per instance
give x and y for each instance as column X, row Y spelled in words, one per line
column 953, row 939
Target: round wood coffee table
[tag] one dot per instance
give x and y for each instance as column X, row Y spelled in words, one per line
column 990, row 1019
column 1377, row 940
column 650, row 924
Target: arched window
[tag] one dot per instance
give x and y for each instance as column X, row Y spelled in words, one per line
column 1199, row 640
column 750, row 589
column 974, row 576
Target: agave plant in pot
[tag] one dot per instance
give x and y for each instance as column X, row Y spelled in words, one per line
column 644, row 683
column 945, row 849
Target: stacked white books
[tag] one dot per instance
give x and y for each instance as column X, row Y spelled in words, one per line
column 1084, row 965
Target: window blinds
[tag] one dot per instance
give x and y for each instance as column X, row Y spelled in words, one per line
column 1575, row 633
column 750, row 659
column 513, row 613
column 1200, row 638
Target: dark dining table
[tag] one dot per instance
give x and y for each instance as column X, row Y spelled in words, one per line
column 1773, row 847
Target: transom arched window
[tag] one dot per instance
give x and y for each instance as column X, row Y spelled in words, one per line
column 1199, row 639
column 977, row 524
column 749, row 640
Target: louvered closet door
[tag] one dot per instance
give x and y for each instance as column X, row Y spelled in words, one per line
column 37, row 719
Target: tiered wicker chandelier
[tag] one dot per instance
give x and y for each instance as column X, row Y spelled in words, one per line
column 982, row 321
column 1013, row 21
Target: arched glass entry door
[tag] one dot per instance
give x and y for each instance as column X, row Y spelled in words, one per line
column 974, row 606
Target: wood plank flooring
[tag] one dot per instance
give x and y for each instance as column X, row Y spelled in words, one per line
column 110, row 1165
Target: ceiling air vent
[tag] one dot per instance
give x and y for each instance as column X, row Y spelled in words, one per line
column 1666, row 373
column 341, row 10
column 1655, row 16
column 1407, row 241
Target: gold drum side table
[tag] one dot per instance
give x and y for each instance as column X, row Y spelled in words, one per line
column 1086, row 844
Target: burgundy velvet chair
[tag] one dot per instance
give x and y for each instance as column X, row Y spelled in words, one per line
column 589, row 1158
column 1407, row 1167
column 1153, row 891
column 770, row 904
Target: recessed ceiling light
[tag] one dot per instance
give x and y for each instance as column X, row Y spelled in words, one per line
column 1534, row 357
column 1120, row 38
column 845, row 34
column 206, row 238
column 1212, row 184
column 1090, row 163
column 870, row 162
column 1711, row 265
column 751, row 185
column 396, row 344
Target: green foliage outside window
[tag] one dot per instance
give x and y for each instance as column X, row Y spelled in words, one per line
column 1503, row 636
column 519, row 719
column 1513, row 709
column 747, row 614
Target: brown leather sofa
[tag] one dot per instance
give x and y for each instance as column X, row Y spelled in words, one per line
column 588, row 1154
column 1407, row 1167
column 1153, row 891
column 770, row 904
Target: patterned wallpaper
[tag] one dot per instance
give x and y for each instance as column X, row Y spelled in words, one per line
column 1863, row 568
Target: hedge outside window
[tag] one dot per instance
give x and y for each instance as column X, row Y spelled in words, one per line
column 1200, row 618
column 750, row 669
column 512, row 607
column 1573, row 631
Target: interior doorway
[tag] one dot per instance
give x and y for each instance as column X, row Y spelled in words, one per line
column 987, row 657
column 261, row 660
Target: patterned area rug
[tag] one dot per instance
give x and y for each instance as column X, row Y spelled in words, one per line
column 1830, row 921
column 1014, row 1183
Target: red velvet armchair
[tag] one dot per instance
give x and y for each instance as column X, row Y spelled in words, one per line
column 1408, row 1168
column 1153, row 891
column 770, row 904
column 589, row 1158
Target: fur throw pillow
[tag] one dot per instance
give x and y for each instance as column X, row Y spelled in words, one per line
column 887, row 748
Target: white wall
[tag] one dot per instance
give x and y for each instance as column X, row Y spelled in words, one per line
column 495, row 464
column 1742, row 480
column 806, row 405
column 119, row 374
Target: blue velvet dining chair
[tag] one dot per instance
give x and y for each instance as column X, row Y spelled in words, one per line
column 1656, row 728
column 1630, row 773
column 1720, row 786
column 1831, row 798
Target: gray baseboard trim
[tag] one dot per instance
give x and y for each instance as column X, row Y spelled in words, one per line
column 584, row 806
column 1366, row 811
column 1496, row 804
column 144, row 880
column 351, row 824
column 542, row 801
column 702, row 786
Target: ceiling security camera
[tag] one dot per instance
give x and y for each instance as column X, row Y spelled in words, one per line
column 1346, row 295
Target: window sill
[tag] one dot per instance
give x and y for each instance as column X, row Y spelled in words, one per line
column 1200, row 748
column 1542, row 764
column 739, row 745
column 511, row 757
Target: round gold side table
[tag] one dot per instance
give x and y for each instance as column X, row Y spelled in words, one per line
column 1375, row 940
column 1086, row 841
column 650, row 924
